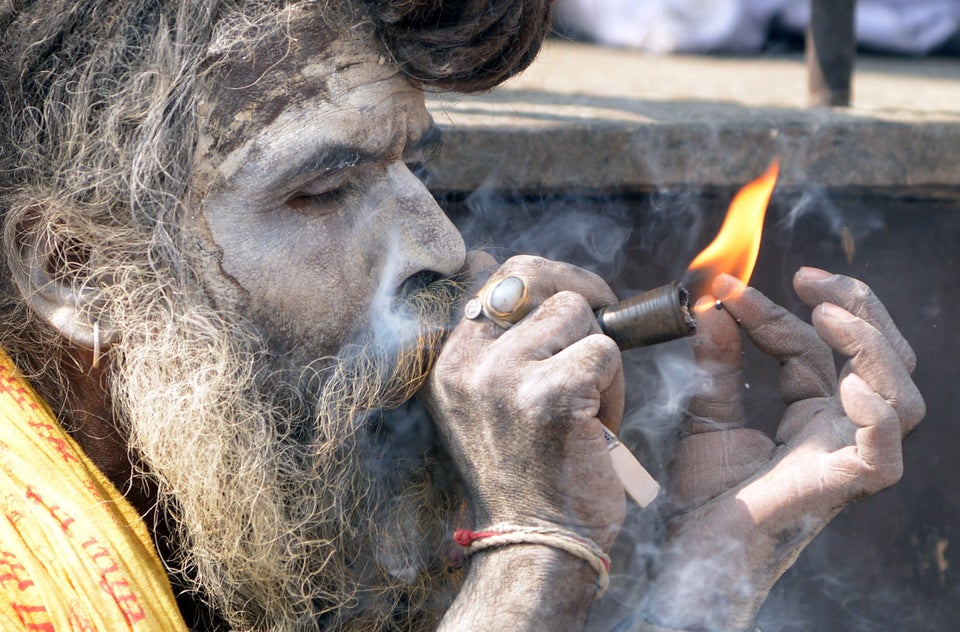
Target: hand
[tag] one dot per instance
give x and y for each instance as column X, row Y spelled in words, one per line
column 520, row 410
column 744, row 505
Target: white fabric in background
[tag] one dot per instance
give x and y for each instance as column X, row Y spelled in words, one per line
column 663, row 26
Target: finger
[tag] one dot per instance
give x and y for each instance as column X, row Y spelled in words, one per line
column 807, row 367
column 590, row 372
column 479, row 266
column 878, row 440
column 873, row 358
column 718, row 351
column 559, row 322
column 612, row 401
column 797, row 417
column 815, row 286
column 545, row 278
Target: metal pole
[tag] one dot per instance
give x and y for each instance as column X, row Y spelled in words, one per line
column 831, row 51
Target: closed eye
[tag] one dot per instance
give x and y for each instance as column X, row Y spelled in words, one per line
column 320, row 194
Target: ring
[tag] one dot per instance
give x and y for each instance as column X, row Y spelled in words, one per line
column 504, row 302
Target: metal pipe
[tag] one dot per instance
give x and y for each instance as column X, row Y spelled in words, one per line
column 658, row 315
column 831, row 49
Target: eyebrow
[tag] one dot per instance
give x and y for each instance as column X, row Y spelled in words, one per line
column 329, row 159
column 325, row 160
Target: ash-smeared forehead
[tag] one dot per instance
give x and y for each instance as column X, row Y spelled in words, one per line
column 309, row 88
column 248, row 89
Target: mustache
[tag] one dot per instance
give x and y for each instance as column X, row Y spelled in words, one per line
column 434, row 287
column 399, row 345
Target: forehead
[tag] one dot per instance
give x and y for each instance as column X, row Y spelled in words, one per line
column 305, row 84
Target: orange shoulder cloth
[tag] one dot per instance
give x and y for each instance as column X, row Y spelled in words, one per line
column 74, row 554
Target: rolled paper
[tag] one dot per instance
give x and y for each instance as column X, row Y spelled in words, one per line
column 637, row 482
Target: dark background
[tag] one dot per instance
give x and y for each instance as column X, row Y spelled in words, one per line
column 891, row 562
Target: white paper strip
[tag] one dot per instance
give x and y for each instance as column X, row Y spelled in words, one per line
column 637, row 482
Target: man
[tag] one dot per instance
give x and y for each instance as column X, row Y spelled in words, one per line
column 225, row 276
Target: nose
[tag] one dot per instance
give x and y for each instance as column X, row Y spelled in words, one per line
column 423, row 239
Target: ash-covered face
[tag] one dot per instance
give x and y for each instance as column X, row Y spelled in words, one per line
column 307, row 221
column 306, row 187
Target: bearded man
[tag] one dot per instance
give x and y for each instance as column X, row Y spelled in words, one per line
column 227, row 280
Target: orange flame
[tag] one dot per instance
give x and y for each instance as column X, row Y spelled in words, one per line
column 735, row 248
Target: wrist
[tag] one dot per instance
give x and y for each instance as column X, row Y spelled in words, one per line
column 560, row 540
column 602, row 529
column 524, row 588
column 712, row 579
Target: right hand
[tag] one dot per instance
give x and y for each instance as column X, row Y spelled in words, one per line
column 521, row 410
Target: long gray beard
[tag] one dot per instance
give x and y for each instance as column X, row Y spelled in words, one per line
column 295, row 504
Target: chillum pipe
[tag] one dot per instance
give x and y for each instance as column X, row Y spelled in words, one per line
column 831, row 49
column 658, row 315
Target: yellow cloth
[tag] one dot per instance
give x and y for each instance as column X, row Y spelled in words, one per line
column 74, row 555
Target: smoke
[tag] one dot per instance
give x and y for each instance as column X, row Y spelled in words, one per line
column 634, row 251
column 556, row 228
column 832, row 220
column 640, row 242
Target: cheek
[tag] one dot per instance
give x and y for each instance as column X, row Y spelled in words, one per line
column 304, row 279
column 308, row 280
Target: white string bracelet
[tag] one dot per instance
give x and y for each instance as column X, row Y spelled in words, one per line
column 574, row 544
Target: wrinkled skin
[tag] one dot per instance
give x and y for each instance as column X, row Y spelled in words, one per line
column 520, row 411
column 557, row 379
column 310, row 205
column 740, row 496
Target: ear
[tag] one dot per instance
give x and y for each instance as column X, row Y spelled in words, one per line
column 49, row 270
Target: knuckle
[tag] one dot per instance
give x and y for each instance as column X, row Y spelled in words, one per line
column 570, row 302
column 599, row 355
column 569, row 306
column 912, row 411
column 861, row 297
column 524, row 263
column 573, row 309
column 605, row 347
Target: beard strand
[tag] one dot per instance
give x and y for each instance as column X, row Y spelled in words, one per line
column 291, row 504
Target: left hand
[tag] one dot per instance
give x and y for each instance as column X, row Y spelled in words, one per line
column 745, row 505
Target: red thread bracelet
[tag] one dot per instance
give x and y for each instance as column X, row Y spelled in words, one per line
column 573, row 543
column 465, row 537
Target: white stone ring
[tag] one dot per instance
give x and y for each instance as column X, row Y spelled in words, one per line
column 504, row 302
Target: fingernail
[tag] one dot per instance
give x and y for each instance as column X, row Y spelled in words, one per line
column 728, row 287
column 807, row 273
column 837, row 313
column 857, row 383
column 704, row 303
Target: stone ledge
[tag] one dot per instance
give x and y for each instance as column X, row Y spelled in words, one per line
column 540, row 134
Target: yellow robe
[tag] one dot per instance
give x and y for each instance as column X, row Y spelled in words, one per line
column 74, row 554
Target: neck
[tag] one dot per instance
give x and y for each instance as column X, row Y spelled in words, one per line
column 92, row 425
